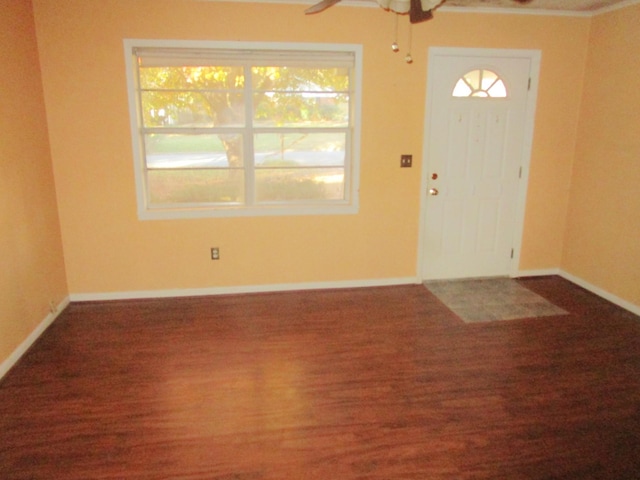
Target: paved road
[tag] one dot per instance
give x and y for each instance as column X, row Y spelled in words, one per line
column 210, row 160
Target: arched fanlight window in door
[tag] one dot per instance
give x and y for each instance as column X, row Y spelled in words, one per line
column 480, row 83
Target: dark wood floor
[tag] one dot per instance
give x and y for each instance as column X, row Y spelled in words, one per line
column 378, row 383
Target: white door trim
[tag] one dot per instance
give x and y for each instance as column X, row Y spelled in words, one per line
column 534, row 57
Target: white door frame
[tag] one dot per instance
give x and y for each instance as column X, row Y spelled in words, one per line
column 534, row 57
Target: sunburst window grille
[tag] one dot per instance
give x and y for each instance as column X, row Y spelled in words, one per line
column 480, row 83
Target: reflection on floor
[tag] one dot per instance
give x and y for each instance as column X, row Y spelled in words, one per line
column 488, row 299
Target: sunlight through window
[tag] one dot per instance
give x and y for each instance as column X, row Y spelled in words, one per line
column 480, row 83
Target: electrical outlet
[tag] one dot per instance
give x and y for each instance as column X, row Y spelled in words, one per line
column 406, row 161
column 215, row 253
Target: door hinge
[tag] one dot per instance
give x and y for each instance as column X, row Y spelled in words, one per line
column 512, row 253
column 520, row 173
column 529, row 84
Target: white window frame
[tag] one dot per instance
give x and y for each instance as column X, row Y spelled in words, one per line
column 349, row 205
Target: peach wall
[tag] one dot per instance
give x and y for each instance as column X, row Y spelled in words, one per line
column 109, row 250
column 32, row 273
column 602, row 243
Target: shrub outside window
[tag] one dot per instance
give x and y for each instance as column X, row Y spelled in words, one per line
column 225, row 129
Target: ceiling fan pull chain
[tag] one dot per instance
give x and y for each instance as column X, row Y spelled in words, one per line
column 408, row 58
column 394, row 45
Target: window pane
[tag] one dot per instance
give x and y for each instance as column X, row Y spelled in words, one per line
column 301, row 109
column 461, row 89
column 193, row 151
column 473, row 78
column 301, row 96
column 292, row 79
column 488, row 79
column 192, row 96
column 299, row 149
column 196, row 186
column 192, row 109
column 299, row 184
column 191, row 78
column 498, row 90
column 480, row 83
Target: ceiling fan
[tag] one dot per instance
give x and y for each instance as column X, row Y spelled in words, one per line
column 419, row 10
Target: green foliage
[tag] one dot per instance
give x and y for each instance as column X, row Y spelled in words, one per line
column 213, row 96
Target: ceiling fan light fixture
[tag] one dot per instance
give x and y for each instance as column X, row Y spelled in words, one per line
column 404, row 6
column 419, row 10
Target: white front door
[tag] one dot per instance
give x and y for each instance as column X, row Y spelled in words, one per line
column 476, row 129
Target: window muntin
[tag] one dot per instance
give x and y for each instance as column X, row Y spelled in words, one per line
column 264, row 131
column 480, row 83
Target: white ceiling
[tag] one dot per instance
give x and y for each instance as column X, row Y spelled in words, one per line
column 571, row 7
column 552, row 5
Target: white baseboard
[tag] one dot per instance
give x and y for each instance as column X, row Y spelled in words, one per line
column 196, row 292
column 538, row 273
column 12, row 359
column 601, row 293
column 584, row 284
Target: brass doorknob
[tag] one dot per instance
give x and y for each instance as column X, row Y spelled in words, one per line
column 433, row 191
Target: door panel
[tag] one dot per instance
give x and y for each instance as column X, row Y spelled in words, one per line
column 475, row 147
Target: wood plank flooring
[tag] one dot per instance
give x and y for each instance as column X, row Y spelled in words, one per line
column 375, row 383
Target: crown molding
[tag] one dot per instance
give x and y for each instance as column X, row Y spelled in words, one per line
column 617, row 6
column 458, row 9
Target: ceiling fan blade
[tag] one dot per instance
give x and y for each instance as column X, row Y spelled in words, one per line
column 320, row 6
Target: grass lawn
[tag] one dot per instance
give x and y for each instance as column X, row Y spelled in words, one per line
column 264, row 142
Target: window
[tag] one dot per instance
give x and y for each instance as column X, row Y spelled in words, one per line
column 224, row 129
column 480, row 83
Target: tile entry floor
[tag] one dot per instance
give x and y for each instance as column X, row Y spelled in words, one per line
column 488, row 299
